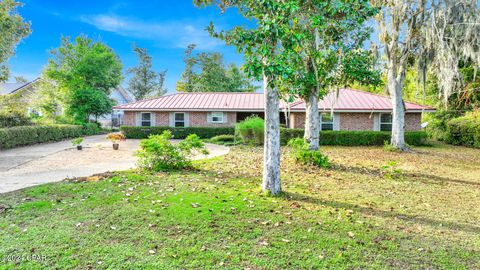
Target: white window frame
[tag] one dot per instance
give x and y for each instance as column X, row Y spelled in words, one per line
column 385, row 123
column 332, row 122
column 175, row 119
column 149, row 121
column 219, row 115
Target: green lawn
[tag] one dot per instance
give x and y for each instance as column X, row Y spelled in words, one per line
column 422, row 213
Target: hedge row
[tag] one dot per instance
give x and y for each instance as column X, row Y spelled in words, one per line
column 346, row 138
column 464, row 130
column 14, row 120
column 178, row 133
column 355, row 138
column 26, row 135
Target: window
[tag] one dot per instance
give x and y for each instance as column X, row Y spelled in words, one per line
column 327, row 121
column 179, row 120
column 385, row 122
column 146, row 120
column 217, row 117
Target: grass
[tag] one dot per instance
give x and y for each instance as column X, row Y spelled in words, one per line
column 351, row 216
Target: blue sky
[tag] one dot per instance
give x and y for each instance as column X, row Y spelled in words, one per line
column 165, row 27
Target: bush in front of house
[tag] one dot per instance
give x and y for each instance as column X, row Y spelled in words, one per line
column 27, row 135
column 177, row 133
column 464, row 130
column 14, row 119
column 354, row 138
column 157, row 153
column 225, row 139
column 306, row 156
column 91, row 128
column 251, row 130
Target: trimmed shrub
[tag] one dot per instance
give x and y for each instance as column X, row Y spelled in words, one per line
column 26, row 135
column 91, row 128
column 14, row 120
column 354, row 138
column 251, row 130
column 223, row 138
column 157, row 153
column 177, row 133
column 464, row 130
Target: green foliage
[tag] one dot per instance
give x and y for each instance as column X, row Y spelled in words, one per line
column 387, row 146
column 77, row 141
column 223, row 139
column 437, row 127
column 178, row 133
column 304, row 155
column 26, row 135
column 145, row 82
column 261, row 45
column 464, row 130
column 391, row 171
column 251, row 130
column 329, row 53
column 91, row 128
column 14, row 119
column 157, row 153
column 89, row 102
column 13, row 29
column 467, row 97
column 206, row 72
column 354, row 138
column 13, row 104
column 48, row 97
column 80, row 70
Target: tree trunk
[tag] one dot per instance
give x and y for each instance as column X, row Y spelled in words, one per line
column 312, row 121
column 395, row 89
column 271, row 154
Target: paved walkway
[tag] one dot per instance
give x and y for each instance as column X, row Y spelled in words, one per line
column 34, row 165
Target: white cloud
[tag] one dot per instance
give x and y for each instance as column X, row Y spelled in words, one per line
column 176, row 34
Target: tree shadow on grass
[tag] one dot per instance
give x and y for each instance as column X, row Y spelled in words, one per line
column 383, row 213
column 423, row 177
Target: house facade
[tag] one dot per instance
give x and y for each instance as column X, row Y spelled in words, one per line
column 26, row 93
column 350, row 110
column 20, row 92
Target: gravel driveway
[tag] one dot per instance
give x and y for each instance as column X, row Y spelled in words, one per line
column 34, row 165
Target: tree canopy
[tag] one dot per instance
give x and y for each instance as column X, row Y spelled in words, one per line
column 79, row 70
column 13, row 28
column 145, row 82
column 435, row 36
column 207, row 72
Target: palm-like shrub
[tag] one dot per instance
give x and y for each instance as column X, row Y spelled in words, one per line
column 158, row 153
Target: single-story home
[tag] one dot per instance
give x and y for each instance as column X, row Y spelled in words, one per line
column 352, row 110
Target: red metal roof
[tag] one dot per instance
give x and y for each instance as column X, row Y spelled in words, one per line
column 200, row 101
column 348, row 100
column 355, row 100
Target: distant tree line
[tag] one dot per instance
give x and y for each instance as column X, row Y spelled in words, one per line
column 207, row 72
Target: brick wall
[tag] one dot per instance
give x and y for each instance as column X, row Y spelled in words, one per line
column 196, row 119
column 162, row 119
column 297, row 120
column 129, row 118
column 348, row 121
column 356, row 121
column 199, row 119
column 413, row 121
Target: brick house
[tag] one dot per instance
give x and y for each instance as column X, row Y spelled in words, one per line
column 352, row 110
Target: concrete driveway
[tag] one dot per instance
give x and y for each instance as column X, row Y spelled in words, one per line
column 38, row 164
